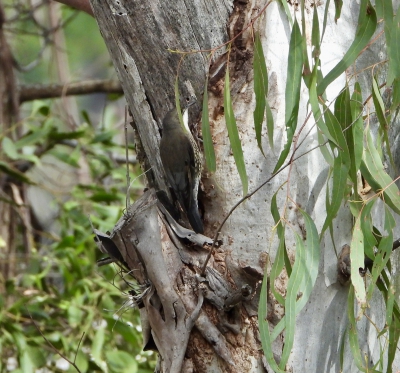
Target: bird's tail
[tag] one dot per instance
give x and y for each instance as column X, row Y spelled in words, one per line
column 194, row 218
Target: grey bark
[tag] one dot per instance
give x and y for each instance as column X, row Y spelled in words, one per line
column 140, row 37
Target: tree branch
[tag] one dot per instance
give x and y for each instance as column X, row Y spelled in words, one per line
column 83, row 5
column 34, row 92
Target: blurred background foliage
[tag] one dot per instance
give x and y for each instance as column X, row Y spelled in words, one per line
column 63, row 168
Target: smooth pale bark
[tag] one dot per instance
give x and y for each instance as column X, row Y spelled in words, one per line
column 138, row 36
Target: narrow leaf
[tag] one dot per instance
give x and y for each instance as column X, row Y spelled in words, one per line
column 16, row 174
column 366, row 27
column 367, row 229
column 343, row 115
column 293, row 289
column 380, row 113
column 260, row 88
column 339, row 178
column 287, row 11
column 338, row 9
column 357, row 262
column 234, row 134
column 301, row 281
column 306, row 63
column 279, row 261
column 292, row 91
column 373, row 171
column 353, row 333
column 393, row 49
column 335, row 130
column 396, row 95
column 357, row 127
column 270, row 124
column 206, row 132
column 394, row 334
column 9, row 148
column 264, row 327
column 315, row 36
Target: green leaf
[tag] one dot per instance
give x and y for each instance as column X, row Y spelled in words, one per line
column 380, row 113
column 206, row 131
column 39, row 106
column 343, row 115
column 14, row 173
column 270, row 124
column 234, row 134
column 367, row 229
column 287, row 11
column 104, row 137
column 353, row 333
column 35, row 136
column 373, row 171
column 279, row 261
column 59, row 136
column 301, row 281
column 392, row 43
column 338, row 9
column 36, row 356
column 357, row 262
column 9, row 148
column 82, row 361
column 335, row 130
column 127, row 332
column 315, row 36
column 306, row 63
column 325, row 19
column 394, row 334
column 97, row 345
column 339, row 178
column 395, row 95
column 260, row 88
column 356, row 107
column 86, row 117
column 315, row 106
column 121, row 362
column 366, row 27
column 68, row 158
column 383, row 254
column 292, row 91
column 265, row 336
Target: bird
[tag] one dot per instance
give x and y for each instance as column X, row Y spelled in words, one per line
column 182, row 163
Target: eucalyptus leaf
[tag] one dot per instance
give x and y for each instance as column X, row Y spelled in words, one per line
column 292, row 91
column 357, row 262
column 206, row 132
column 9, row 148
column 265, row 336
column 373, row 171
column 366, row 27
column 353, row 332
column 234, row 134
column 260, row 88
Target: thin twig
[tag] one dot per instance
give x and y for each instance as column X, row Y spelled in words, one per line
column 52, row 346
column 247, row 196
column 29, row 93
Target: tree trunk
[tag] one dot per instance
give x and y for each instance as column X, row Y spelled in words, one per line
column 140, row 38
column 12, row 215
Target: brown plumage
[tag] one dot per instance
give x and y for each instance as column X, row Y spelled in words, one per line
column 181, row 159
